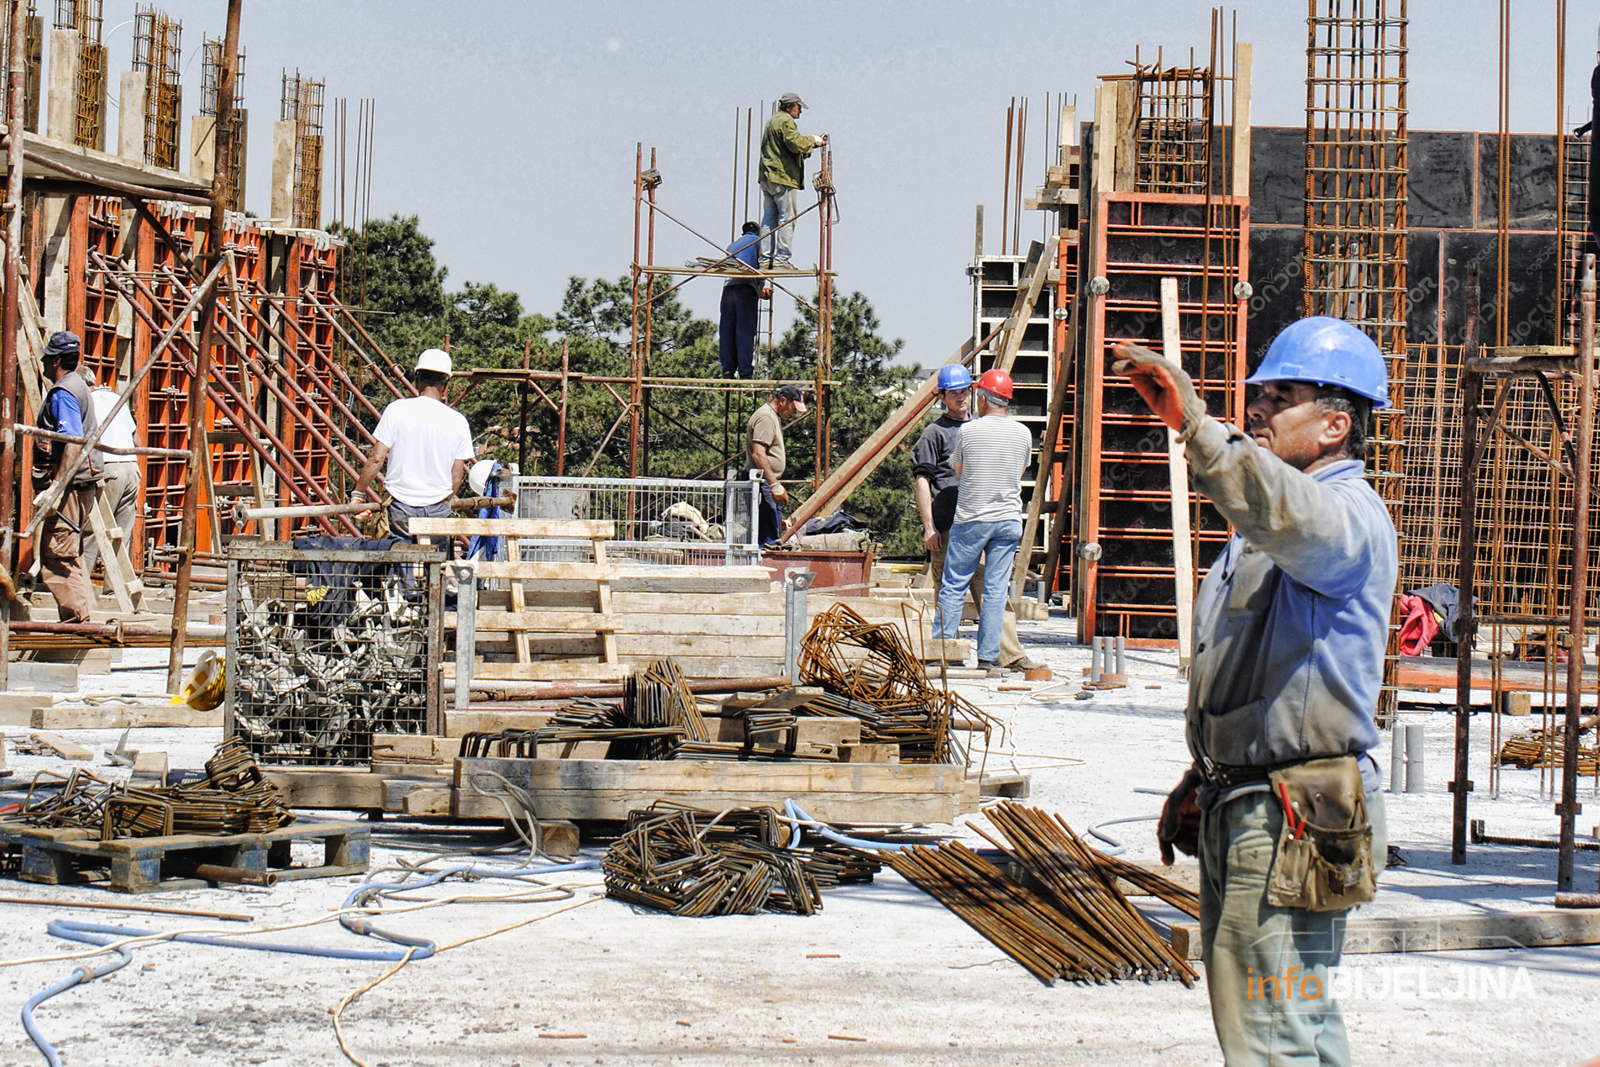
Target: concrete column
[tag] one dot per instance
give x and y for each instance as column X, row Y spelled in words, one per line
column 203, row 147
column 283, row 171
column 130, row 115
column 61, row 114
column 56, row 220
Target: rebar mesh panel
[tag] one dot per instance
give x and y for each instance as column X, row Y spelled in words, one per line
column 158, row 55
column 328, row 647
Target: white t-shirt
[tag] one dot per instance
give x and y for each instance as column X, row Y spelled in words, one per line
column 425, row 438
column 120, row 434
column 993, row 453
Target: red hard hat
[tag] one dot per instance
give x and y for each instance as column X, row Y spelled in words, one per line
column 997, row 382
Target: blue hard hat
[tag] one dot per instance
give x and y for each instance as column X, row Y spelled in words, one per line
column 1326, row 351
column 954, row 376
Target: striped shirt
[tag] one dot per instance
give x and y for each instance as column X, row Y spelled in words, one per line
column 992, row 453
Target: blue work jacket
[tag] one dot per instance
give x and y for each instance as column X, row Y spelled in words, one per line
column 1291, row 622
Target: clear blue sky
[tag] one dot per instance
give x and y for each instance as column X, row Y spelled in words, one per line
column 509, row 128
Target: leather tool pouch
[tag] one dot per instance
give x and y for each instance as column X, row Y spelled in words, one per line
column 1324, row 856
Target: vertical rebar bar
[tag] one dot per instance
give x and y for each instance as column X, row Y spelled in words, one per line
column 1580, row 579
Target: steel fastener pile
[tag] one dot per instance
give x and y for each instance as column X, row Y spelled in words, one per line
column 316, row 677
column 885, row 687
column 1077, row 927
column 690, row 862
column 233, row 798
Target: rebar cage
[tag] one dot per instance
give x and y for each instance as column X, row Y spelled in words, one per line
column 327, row 647
column 659, row 520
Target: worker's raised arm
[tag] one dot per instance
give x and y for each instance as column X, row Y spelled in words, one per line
column 802, row 143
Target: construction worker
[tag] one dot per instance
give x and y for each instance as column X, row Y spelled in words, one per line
column 68, row 409
column 423, row 447
column 937, row 489
column 1283, row 802
column 783, row 170
column 764, row 445
column 741, row 299
column 991, row 452
column 121, row 485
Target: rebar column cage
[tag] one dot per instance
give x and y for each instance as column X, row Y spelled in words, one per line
column 653, row 281
column 89, row 102
column 302, row 105
column 158, row 54
column 1172, row 136
column 210, row 73
column 32, row 57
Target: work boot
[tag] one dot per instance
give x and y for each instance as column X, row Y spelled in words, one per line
column 992, row 666
column 1026, row 663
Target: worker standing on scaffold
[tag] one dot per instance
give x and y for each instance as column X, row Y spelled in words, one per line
column 1283, row 802
column 783, row 170
column 423, row 446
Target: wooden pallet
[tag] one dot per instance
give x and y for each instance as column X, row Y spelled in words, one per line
column 147, row 864
column 522, row 623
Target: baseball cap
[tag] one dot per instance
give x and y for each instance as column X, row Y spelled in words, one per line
column 62, row 342
column 792, row 392
column 790, row 98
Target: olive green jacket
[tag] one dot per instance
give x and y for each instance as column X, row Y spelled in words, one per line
column 784, row 150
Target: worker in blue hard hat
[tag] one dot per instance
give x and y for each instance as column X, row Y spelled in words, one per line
column 932, row 465
column 1283, row 802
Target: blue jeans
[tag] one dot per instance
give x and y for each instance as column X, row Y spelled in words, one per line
column 1295, row 1020
column 769, row 517
column 778, row 209
column 996, row 544
column 736, row 340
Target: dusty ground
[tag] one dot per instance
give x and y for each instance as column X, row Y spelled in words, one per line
column 915, row 982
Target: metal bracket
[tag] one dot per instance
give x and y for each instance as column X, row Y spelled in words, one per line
column 1451, row 787
column 795, row 584
column 1577, row 808
column 466, row 575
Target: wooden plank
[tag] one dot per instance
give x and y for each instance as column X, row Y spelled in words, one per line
column 328, row 787
column 642, row 603
column 61, row 746
column 1178, row 482
column 546, row 671
column 1242, row 53
column 610, row 789
column 1105, row 137
column 538, row 621
column 577, row 572
column 1127, row 115
column 603, row 602
column 1435, row 672
column 518, row 604
column 121, row 716
column 579, row 529
column 1535, row 928
column 698, row 645
column 460, row 723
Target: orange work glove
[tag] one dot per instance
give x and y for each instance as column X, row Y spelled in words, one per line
column 1180, row 818
column 1165, row 387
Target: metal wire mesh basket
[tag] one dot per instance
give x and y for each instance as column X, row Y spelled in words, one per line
column 663, row 521
column 327, row 647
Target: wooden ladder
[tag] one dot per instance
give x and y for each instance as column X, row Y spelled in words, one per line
column 523, row 624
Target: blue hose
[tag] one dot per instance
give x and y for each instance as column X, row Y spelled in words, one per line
column 794, row 811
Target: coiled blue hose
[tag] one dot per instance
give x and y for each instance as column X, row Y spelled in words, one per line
column 418, row 948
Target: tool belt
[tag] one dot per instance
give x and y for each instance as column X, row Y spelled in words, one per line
column 1228, row 775
column 1324, row 856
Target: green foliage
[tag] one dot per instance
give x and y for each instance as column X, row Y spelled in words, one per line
column 689, row 433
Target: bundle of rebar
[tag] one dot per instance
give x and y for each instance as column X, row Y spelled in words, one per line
column 1076, row 927
column 691, row 862
column 233, row 798
column 883, row 684
column 1545, row 748
column 661, row 697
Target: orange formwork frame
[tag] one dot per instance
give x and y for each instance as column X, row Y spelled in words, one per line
column 1125, row 582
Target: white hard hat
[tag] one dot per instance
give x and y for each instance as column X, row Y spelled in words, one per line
column 434, row 359
column 478, row 477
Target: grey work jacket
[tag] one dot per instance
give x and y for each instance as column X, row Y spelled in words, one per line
column 1292, row 620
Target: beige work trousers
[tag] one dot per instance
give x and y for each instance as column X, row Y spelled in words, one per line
column 1010, row 643
column 61, row 555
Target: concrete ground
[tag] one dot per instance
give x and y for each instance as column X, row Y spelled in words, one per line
column 882, row 962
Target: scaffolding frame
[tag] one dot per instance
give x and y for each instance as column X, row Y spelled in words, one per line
column 652, row 281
